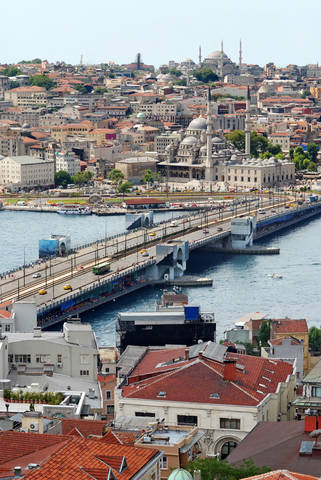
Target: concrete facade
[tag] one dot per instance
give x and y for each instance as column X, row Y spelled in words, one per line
column 26, row 171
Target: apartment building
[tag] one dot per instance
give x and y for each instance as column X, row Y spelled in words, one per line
column 26, row 171
column 68, row 162
column 27, row 96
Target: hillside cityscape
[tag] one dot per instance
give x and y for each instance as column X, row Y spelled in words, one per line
column 136, row 180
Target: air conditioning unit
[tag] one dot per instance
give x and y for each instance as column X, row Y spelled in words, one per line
column 59, row 365
column 34, row 427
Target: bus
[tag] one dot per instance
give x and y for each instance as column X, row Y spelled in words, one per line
column 101, row 268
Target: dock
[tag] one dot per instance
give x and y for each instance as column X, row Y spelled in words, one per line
column 187, row 281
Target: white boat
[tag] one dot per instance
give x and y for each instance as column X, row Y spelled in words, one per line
column 275, row 275
column 74, row 211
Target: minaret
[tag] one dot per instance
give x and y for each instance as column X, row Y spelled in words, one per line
column 221, row 62
column 209, row 131
column 199, row 54
column 240, row 57
column 248, row 124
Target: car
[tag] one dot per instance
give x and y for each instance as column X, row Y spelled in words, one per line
column 152, row 234
column 174, row 223
column 36, row 275
column 67, row 287
column 143, row 251
column 42, row 291
column 273, row 210
column 145, row 254
column 206, row 230
column 219, row 229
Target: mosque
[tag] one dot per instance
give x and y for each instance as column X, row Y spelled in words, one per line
column 210, row 158
column 220, row 63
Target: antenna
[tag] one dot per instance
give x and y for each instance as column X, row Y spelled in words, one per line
column 81, row 59
column 200, row 54
column 240, row 58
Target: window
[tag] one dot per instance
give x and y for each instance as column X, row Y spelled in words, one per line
column 144, row 414
column 227, row 448
column 231, row 423
column 316, row 391
column 42, row 358
column 108, row 395
column 110, row 410
column 106, row 369
column 7, row 327
column 84, row 372
column 59, row 358
column 186, row 420
column 163, row 463
column 84, row 359
column 21, row 358
column 10, row 358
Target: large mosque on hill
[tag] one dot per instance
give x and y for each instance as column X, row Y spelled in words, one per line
column 207, row 156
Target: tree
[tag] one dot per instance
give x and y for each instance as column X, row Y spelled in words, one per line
column 205, row 75
column 212, row 468
column 181, row 82
column 62, row 178
column 249, row 348
column 274, row 149
column 175, row 72
column 264, row 333
column 238, row 139
column 148, row 176
column 33, row 61
column 125, row 187
column 83, row 89
column 305, row 94
column 315, row 338
column 313, row 151
column 312, row 167
column 82, row 177
column 116, row 176
column 42, row 81
column 100, row 90
column 11, row 71
column 291, row 153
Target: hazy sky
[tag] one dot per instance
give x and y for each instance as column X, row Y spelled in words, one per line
column 283, row 31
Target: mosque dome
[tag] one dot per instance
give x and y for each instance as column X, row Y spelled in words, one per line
column 189, row 140
column 188, row 60
column 197, row 124
column 217, row 140
column 216, row 55
column 140, row 115
column 180, row 474
column 203, row 150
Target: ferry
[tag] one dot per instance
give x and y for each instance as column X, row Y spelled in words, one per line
column 74, row 210
column 174, row 322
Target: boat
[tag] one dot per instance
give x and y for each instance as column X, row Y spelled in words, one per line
column 174, row 322
column 74, row 210
column 275, row 275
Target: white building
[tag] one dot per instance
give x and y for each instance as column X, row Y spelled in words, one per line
column 68, row 162
column 224, row 393
column 25, row 171
column 72, row 352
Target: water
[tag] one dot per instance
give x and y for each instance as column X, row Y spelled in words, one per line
column 240, row 283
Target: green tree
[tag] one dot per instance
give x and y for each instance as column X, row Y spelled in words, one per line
column 116, row 176
column 315, row 339
column 100, row 90
column 249, row 348
column 299, row 151
column 82, row 177
column 305, row 94
column 83, row 89
column 212, row 468
column 125, row 187
column 274, row 149
column 11, row 71
column 62, row 178
column 181, row 82
column 237, row 137
column 280, row 156
column 264, row 333
column 42, row 81
column 33, row 61
column 313, row 151
column 312, row 167
column 291, row 152
column 205, row 75
column 175, row 72
column 148, row 176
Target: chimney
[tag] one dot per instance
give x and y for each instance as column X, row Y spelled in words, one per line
column 200, row 355
column 229, row 370
column 186, row 353
column 17, row 471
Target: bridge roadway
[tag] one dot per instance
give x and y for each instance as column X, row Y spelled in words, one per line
column 123, row 253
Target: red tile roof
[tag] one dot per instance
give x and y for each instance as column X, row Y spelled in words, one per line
column 23, row 448
column 82, row 458
column 85, row 427
column 281, row 475
column 255, row 378
column 287, row 325
column 120, row 437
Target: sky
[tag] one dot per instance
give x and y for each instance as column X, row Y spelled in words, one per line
column 279, row 31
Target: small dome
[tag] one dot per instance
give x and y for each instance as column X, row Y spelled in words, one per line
column 197, row 124
column 140, row 115
column 217, row 140
column 180, row 474
column 216, row 55
column 189, row 140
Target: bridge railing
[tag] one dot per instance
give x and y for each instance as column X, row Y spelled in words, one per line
column 96, row 284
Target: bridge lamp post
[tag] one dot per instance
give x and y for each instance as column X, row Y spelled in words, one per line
column 18, row 289
column 105, row 238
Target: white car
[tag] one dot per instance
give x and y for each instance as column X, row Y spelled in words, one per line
column 36, row 275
